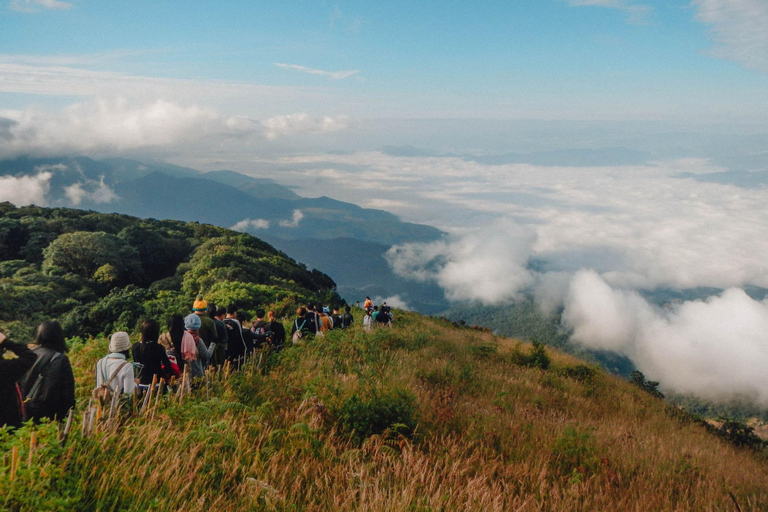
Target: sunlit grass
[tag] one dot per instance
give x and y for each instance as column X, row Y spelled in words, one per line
column 489, row 433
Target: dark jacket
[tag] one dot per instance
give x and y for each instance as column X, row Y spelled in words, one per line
column 208, row 330
column 278, row 335
column 237, row 345
column 56, row 395
column 12, row 370
column 155, row 361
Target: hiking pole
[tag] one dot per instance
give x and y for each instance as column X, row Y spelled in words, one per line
column 64, row 435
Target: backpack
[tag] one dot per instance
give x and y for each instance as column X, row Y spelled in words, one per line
column 298, row 334
column 103, row 393
column 35, row 393
column 346, row 320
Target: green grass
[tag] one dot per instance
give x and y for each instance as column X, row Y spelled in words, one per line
column 419, row 417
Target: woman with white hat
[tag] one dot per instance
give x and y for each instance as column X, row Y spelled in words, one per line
column 115, row 370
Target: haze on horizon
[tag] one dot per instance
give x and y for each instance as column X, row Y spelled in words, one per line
column 614, row 146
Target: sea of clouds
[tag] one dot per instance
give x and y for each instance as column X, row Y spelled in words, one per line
column 587, row 241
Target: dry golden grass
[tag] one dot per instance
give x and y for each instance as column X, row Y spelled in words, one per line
column 492, row 435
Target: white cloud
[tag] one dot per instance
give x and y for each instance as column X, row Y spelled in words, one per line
column 95, row 191
column 294, row 222
column 714, row 348
column 486, row 265
column 335, row 75
column 246, row 224
column 394, row 301
column 109, row 126
column 25, row 190
column 637, row 13
column 303, row 123
column 36, row 5
column 739, row 29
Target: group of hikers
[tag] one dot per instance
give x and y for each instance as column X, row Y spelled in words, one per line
column 39, row 383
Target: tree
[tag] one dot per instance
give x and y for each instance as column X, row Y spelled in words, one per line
column 83, row 253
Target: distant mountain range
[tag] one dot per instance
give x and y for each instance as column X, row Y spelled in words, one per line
column 343, row 239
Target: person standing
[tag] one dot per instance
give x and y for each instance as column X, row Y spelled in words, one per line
column 207, row 329
column 49, row 386
column 237, row 348
column 217, row 315
column 368, row 320
column 115, row 369
column 278, row 331
column 193, row 349
column 151, row 355
column 11, row 370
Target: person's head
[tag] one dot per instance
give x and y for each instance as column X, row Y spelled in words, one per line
column 200, row 305
column 120, row 343
column 375, row 308
column 369, row 311
column 232, row 310
column 336, row 310
column 150, row 330
column 241, row 317
column 301, row 311
column 347, row 309
column 221, row 312
column 192, row 323
column 271, row 315
column 211, row 311
column 49, row 334
column 176, row 329
column 367, row 298
column 260, row 314
column 319, row 307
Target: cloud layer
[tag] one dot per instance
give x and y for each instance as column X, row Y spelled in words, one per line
column 739, row 29
column 25, row 190
column 113, row 126
column 714, row 348
column 487, row 265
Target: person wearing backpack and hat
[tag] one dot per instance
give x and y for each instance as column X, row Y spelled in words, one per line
column 115, row 371
column 193, row 349
column 207, row 329
column 11, row 370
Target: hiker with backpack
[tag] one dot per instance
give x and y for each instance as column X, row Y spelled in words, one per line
column 260, row 330
column 278, row 332
column 368, row 320
column 11, row 370
column 237, row 348
column 346, row 319
column 151, row 355
column 171, row 342
column 304, row 325
column 217, row 315
column 193, row 349
column 114, row 373
column 383, row 319
column 49, row 386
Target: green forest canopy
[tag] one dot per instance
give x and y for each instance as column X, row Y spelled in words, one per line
column 97, row 273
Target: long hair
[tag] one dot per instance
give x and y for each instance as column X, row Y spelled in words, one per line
column 176, row 330
column 150, row 331
column 49, row 334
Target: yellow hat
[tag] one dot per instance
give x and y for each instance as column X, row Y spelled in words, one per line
column 199, row 304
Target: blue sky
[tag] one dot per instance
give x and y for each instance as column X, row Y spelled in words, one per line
column 542, row 59
column 621, row 145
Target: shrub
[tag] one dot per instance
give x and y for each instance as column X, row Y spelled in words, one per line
column 740, row 434
column 574, row 454
column 649, row 386
column 580, row 372
column 395, row 410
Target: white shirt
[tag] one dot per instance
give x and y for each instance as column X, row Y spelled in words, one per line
column 124, row 380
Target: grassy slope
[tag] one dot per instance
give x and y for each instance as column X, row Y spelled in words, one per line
column 491, row 435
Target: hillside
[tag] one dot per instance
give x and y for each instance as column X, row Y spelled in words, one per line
column 423, row 416
column 100, row 272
